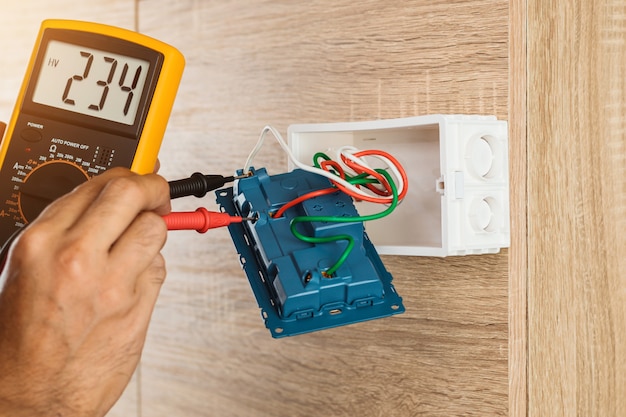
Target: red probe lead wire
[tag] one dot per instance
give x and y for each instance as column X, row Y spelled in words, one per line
column 200, row 220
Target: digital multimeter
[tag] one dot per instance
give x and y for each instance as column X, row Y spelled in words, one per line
column 94, row 97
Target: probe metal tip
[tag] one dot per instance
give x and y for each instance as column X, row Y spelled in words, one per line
column 251, row 217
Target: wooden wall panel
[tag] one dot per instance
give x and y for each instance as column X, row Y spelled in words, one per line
column 252, row 63
column 19, row 25
column 518, row 170
column 257, row 62
column 577, row 208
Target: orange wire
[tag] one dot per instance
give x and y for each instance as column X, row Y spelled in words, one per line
column 335, row 165
column 405, row 179
column 300, row 199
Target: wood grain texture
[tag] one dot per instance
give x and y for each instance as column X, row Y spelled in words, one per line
column 577, row 208
column 257, row 62
column 518, row 254
column 19, row 25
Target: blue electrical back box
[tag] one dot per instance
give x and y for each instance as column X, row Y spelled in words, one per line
column 286, row 273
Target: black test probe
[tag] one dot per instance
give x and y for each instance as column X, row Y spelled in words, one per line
column 202, row 219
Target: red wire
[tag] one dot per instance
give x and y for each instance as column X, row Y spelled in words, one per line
column 335, row 165
column 302, row 198
column 359, row 169
column 360, row 197
column 395, row 162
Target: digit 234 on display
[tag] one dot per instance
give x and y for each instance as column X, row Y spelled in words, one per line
column 94, row 97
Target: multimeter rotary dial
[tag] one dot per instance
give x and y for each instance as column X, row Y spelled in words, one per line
column 45, row 183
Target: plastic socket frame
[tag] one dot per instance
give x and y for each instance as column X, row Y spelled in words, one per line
column 287, row 274
column 457, row 165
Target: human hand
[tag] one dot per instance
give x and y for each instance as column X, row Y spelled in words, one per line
column 80, row 284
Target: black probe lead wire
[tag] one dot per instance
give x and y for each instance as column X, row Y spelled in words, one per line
column 198, row 185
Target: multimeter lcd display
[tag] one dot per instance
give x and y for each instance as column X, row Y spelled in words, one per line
column 92, row 82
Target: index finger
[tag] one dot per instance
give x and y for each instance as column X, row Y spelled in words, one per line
column 118, row 204
column 100, row 205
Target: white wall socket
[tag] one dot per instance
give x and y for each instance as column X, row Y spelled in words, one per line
column 457, row 165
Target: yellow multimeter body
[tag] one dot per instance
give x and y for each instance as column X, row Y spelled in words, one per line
column 94, row 97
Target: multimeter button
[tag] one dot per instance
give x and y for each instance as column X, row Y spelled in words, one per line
column 31, row 135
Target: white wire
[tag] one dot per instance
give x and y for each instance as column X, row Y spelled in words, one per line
column 295, row 161
column 347, row 151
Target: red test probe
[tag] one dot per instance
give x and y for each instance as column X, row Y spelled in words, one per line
column 200, row 220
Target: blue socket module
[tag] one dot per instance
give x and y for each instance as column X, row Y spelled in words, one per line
column 287, row 274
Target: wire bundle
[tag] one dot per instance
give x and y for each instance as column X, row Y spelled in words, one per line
column 350, row 173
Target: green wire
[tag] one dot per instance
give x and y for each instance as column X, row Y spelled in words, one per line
column 335, row 219
column 318, row 156
column 358, row 179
